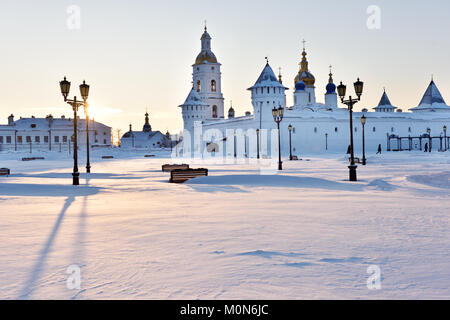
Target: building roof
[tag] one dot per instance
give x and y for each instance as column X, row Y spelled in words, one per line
column 432, row 99
column 193, row 99
column 267, row 78
column 50, row 123
column 385, row 103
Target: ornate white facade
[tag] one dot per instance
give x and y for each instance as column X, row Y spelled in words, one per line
column 317, row 127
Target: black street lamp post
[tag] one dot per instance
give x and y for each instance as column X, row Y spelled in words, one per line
column 326, row 141
column 445, row 138
column 290, row 142
column 75, row 104
column 84, row 90
column 235, row 152
column 363, row 122
column 257, row 143
column 429, row 139
column 278, row 117
column 350, row 103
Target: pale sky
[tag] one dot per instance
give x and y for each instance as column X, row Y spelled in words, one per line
column 137, row 54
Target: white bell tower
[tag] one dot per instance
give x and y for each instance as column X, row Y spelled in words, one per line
column 207, row 78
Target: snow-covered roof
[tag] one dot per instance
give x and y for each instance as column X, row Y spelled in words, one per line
column 385, row 103
column 432, row 99
column 267, row 78
column 193, row 99
column 49, row 123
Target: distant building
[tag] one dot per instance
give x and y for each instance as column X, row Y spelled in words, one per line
column 146, row 138
column 50, row 133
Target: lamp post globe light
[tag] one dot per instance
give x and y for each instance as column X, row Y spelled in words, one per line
column 363, row 122
column 290, row 142
column 278, row 117
column 75, row 104
column 445, row 138
column 342, row 89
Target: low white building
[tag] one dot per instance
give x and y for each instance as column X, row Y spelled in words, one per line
column 51, row 133
column 316, row 127
column 145, row 139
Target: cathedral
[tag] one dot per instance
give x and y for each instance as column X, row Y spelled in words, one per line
column 308, row 126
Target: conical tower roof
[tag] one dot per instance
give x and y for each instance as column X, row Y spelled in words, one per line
column 267, row 78
column 432, row 95
column 193, row 99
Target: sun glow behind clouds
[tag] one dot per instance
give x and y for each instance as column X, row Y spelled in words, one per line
column 98, row 112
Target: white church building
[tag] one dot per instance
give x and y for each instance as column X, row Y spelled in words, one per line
column 50, row 133
column 317, row 127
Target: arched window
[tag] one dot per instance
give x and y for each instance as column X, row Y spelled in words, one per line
column 214, row 112
column 268, row 90
column 198, row 86
column 374, row 129
column 315, row 129
column 213, row 85
column 336, row 129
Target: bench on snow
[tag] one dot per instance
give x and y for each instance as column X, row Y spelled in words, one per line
column 5, row 172
column 149, row 156
column 107, row 157
column 182, row 175
column 33, row 158
column 170, row 167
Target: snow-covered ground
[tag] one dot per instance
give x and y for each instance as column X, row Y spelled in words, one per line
column 239, row 233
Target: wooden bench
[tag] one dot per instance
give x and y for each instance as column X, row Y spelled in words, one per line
column 107, row 157
column 33, row 158
column 182, row 175
column 5, row 172
column 149, row 156
column 170, row 167
column 295, row 158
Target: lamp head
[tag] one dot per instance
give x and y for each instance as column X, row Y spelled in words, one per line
column 65, row 87
column 363, row 120
column 359, row 85
column 290, row 127
column 342, row 90
column 84, row 90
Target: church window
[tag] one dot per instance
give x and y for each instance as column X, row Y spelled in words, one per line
column 198, row 86
column 214, row 111
column 409, row 129
column 213, row 85
column 293, row 130
column 56, row 139
column 356, row 129
column 212, row 68
column 64, row 139
column 1, row 139
column 392, row 129
column 45, row 139
column 19, row 139
column 28, row 139
column 274, row 91
column 336, row 129
column 374, row 129
column 315, row 129
column 8, row 139
column 268, row 90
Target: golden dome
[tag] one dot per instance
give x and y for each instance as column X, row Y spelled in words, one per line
column 205, row 56
column 304, row 74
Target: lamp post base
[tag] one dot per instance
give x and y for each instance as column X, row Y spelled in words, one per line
column 352, row 172
column 76, row 178
column 363, row 160
column 88, row 169
column 280, row 166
